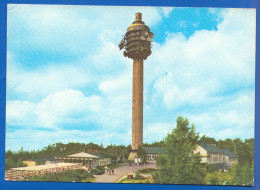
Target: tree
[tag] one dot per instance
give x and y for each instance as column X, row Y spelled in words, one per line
column 243, row 175
column 179, row 164
column 9, row 163
column 249, row 147
column 20, row 163
column 141, row 153
column 208, row 140
column 226, row 144
column 154, row 144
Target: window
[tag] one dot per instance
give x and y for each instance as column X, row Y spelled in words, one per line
column 215, row 158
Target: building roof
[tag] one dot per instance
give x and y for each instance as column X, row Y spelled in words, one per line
column 213, row 148
column 229, row 153
column 154, row 150
column 100, row 155
column 88, row 155
column 210, row 148
column 82, row 155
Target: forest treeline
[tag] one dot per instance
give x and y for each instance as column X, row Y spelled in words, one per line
column 244, row 149
column 15, row 158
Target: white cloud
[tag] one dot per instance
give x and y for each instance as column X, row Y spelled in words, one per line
column 166, row 10
column 156, row 131
column 77, row 30
column 192, row 71
column 209, row 77
column 24, row 138
column 117, row 93
column 74, row 28
column 54, row 94
column 39, row 84
column 19, row 112
column 121, row 83
column 36, row 84
column 234, row 118
column 54, row 111
column 71, row 107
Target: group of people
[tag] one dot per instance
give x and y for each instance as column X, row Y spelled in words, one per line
column 225, row 170
column 140, row 163
column 109, row 172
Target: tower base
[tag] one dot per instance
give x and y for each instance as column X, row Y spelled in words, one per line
column 132, row 155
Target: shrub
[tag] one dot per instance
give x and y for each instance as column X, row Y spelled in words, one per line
column 138, row 176
column 210, row 168
column 112, row 166
column 214, row 181
column 217, row 178
column 243, row 175
column 70, row 176
column 147, row 170
column 97, row 171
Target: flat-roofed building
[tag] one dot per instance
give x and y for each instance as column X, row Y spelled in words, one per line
column 29, row 162
column 92, row 159
column 39, row 161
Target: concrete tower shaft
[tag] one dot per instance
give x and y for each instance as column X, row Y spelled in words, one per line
column 137, row 104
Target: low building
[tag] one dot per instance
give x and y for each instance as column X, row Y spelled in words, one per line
column 39, row 161
column 29, row 162
column 211, row 154
column 92, row 159
column 152, row 152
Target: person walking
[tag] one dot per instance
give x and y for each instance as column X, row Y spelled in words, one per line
column 112, row 171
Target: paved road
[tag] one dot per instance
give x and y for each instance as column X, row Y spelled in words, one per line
column 121, row 170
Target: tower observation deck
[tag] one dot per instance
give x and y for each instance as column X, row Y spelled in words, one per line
column 137, row 45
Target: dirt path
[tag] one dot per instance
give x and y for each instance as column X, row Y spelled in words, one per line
column 121, row 170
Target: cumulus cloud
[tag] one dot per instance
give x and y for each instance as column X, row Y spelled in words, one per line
column 74, row 28
column 208, row 77
column 35, row 85
column 41, row 138
column 166, row 10
column 68, row 107
column 236, row 115
column 194, row 70
column 156, row 131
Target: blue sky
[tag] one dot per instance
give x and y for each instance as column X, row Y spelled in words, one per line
column 67, row 81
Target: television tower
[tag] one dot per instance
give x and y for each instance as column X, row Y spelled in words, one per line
column 137, row 45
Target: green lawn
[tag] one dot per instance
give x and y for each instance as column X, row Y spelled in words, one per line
column 146, row 180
